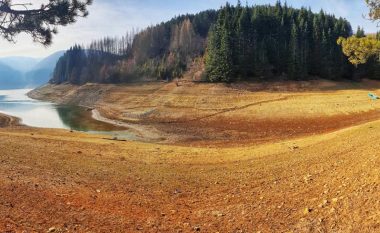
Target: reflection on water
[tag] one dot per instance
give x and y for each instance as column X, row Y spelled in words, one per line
column 32, row 112
column 47, row 115
column 80, row 119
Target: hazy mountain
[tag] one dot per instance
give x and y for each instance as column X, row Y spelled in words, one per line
column 22, row 72
column 22, row 64
column 41, row 72
column 10, row 78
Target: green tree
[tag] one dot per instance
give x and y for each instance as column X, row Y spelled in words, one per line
column 294, row 55
column 360, row 32
column 245, row 53
column 213, row 55
column 40, row 22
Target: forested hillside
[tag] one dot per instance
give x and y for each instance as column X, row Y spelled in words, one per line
column 161, row 52
column 263, row 41
column 233, row 43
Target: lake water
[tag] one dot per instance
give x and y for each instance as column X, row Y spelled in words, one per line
column 41, row 114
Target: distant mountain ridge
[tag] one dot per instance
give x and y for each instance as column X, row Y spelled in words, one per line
column 26, row 72
column 42, row 71
column 10, row 78
column 22, row 64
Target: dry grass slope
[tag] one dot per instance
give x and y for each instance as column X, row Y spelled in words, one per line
column 324, row 178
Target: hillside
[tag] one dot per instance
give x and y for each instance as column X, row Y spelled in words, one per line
column 10, row 78
column 22, row 64
column 26, row 72
column 221, row 113
column 269, row 156
column 41, row 72
column 235, row 43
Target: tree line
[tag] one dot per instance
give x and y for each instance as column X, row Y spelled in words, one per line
column 268, row 41
column 164, row 51
column 236, row 43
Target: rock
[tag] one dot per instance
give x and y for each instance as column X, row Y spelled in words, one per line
column 177, row 191
column 217, row 214
column 307, row 210
column 52, row 229
column 334, row 200
column 98, row 191
column 324, row 204
column 295, row 147
column 307, row 178
column 197, row 228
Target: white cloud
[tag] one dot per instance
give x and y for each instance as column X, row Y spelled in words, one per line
column 115, row 17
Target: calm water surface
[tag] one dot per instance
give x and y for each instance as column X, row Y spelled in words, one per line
column 41, row 114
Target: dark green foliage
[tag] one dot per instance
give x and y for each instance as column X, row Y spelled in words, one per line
column 360, row 32
column 40, row 22
column 266, row 41
column 79, row 66
column 237, row 42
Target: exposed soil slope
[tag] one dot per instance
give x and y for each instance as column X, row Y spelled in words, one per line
column 218, row 113
column 8, row 121
column 69, row 182
column 303, row 179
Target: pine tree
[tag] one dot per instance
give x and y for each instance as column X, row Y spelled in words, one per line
column 360, row 32
column 212, row 54
column 294, row 54
column 245, row 46
column 237, row 42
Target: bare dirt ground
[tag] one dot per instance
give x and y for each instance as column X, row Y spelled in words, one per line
column 298, row 158
column 208, row 114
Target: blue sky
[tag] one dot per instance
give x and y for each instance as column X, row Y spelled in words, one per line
column 115, row 17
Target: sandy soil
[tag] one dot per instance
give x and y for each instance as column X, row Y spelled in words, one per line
column 318, row 179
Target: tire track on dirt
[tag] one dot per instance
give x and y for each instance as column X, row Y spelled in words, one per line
column 230, row 110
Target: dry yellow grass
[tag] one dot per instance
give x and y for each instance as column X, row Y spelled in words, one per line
column 219, row 113
column 319, row 181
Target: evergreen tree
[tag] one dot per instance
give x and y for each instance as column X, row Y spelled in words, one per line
column 278, row 40
column 360, row 32
column 236, row 42
column 294, row 65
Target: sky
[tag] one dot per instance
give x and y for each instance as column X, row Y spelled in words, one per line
column 116, row 17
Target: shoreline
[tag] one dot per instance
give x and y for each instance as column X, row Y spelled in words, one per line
column 144, row 133
column 205, row 114
column 141, row 132
column 7, row 121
